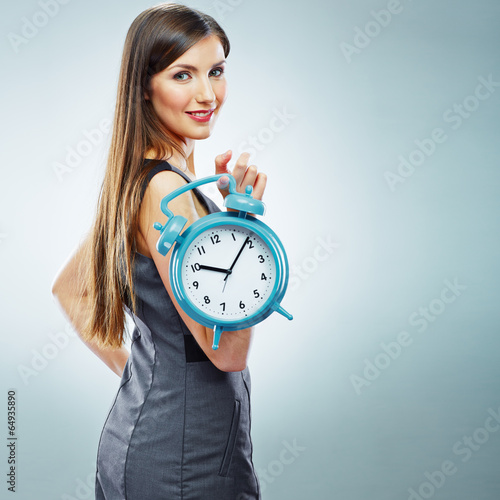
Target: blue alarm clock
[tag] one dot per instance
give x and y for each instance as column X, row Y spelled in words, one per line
column 228, row 270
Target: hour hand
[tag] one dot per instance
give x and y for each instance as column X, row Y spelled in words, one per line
column 217, row 269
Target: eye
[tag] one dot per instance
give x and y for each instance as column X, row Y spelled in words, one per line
column 218, row 71
column 180, row 76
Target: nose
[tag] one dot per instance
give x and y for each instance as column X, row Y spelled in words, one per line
column 204, row 91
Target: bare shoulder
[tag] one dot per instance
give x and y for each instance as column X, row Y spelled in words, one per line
column 162, row 184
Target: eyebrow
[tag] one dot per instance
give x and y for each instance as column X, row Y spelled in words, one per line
column 188, row 66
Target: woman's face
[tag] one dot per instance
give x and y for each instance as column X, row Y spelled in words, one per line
column 188, row 95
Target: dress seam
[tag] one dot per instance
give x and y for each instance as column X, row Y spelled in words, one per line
column 184, row 411
column 250, row 432
column 142, row 408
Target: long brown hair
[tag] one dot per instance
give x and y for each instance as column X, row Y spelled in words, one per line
column 156, row 38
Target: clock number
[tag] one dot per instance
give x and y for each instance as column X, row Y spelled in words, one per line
column 223, row 304
column 263, row 277
column 256, row 294
column 232, row 234
column 250, row 244
column 242, row 306
column 195, row 284
column 195, row 267
column 201, row 250
column 206, row 299
column 215, row 239
column 261, row 259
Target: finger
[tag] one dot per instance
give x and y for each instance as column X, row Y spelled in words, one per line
column 259, row 186
column 249, row 177
column 221, row 162
column 240, row 168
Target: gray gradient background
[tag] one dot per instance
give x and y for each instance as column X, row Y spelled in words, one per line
column 393, row 251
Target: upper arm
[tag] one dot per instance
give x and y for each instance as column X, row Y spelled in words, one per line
column 230, row 355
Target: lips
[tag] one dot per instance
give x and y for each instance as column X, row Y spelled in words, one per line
column 201, row 115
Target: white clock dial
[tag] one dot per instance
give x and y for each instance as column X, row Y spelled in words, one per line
column 228, row 272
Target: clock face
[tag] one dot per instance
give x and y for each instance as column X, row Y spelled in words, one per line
column 228, row 272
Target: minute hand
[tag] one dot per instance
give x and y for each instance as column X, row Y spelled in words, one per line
column 237, row 257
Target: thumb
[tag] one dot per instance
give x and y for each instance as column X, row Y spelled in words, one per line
column 221, row 162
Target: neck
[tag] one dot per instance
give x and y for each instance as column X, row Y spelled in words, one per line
column 176, row 160
column 186, row 165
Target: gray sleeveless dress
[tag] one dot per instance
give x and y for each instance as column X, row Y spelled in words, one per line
column 178, row 428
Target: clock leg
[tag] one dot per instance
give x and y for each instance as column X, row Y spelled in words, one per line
column 280, row 310
column 217, row 332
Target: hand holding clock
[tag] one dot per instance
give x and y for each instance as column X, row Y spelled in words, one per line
column 202, row 251
column 244, row 175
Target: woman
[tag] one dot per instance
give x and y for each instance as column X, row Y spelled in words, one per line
column 179, row 427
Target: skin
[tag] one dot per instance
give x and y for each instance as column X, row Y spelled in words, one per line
column 173, row 93
column 178, row 89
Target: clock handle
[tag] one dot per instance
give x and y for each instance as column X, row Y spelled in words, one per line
column 192, row 185
column 237, row 201
column 218, row 330
column 175, row 223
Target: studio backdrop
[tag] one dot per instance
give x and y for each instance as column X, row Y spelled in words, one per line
column 377, row 123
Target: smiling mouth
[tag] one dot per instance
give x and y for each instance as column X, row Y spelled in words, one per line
column 201, row 113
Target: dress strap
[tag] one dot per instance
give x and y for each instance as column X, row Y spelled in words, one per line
column 162, row 165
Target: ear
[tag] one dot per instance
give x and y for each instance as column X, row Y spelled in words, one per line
column 146, row 95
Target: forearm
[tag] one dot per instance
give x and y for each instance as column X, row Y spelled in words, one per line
column 234, row 347
column 114, row 358
column 76, row 311
column 71, row 296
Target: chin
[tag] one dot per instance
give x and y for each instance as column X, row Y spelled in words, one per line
column 207, row 134
column 201, row 134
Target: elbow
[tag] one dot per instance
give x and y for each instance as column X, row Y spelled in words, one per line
column 235, row 368
column 60, row 291
column 57, row 288
column 232, row 354
column 58, row 296
column 228, row 365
